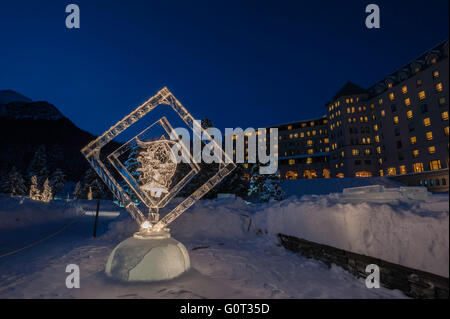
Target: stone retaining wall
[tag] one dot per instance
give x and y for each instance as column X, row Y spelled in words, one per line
column 414, row 283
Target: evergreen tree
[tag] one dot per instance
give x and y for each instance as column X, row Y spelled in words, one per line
column 93, row 184
column 14, row 183
column 78, row 192
column 235, row 183
column 35, row 193
column 57, row 181
column 47, row 193
column 264, row 187
column 272, row 189
column 38, row 165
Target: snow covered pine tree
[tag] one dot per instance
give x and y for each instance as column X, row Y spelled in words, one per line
column 35, row 193
column 57, row 181
column 38, row 165
column 47, row 193
column 14, row 183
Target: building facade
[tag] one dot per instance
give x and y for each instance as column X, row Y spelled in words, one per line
column 397, row 127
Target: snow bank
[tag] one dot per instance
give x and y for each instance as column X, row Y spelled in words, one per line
column 321, row 186
column 414, row 234
column 17, row 212
column 207, row 219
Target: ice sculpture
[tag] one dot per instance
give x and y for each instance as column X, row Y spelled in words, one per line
column 136, row 158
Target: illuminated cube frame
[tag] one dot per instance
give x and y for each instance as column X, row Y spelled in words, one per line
column 163, row 97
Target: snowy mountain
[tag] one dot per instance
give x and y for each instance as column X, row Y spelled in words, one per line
column 15, row 105
column 8, row 96
column 27, row 124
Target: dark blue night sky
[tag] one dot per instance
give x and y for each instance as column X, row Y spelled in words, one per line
column 240, row 63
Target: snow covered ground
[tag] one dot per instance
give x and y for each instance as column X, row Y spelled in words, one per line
column 229, row 259
column 232, row 244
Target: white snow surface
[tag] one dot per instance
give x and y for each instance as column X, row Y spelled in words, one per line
column 228, row 257
column 413, row 234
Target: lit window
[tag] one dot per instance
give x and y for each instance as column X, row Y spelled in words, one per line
column 355, row 152
column 418, row 167
column 413, row 140
column 395, row 119
column 310, row 151
column 436, row 74
column 342, row 154
column 340, row 175
column 446, row 130
column 367, row 151
column 302, row 134
column 392, row 171
column 429, row 135
column 380, row 101
column 391, row 96
column 416, row 153
column 291, row 162
column 432, row 149
column 404, row 89
column 422, row 95
column 290, row 127
column 363, row 174
column 309, row 142
column 308, row 133
column 309, row 160
column 326, row 140
column 439, row 87
column 445, row 115
column 377, row 138
column 375, row 127
column 348, row 110
column 378, row 149
column 381, row 172
column 380, row 160
column 407, row 101
column 402, row 169
column 435, row 165
column 427, row 121
column 390, row 85
column 383, row 113
column 409, row 114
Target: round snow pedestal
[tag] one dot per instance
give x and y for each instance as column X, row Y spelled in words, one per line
column 148, row 259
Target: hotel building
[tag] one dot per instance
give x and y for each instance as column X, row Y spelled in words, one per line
column 399, row 127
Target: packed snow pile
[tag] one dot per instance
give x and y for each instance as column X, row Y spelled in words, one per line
column 18, row 212
column 380, row 194
column 323, row 186
column 414, row 233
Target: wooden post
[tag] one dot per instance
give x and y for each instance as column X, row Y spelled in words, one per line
column 96, row 218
